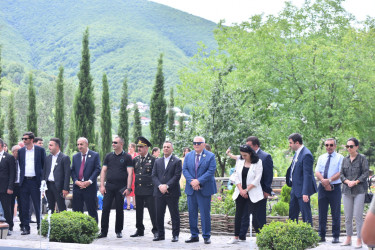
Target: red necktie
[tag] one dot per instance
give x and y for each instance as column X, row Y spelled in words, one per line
column 80, row 176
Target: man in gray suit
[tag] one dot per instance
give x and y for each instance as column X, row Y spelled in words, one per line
column 56, row 173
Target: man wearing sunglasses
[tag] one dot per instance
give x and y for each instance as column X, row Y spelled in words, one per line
column 329, row 191
column 117, row 173
column 199, row 170
column 300, row 177
column 31, row 161
column 85, row 171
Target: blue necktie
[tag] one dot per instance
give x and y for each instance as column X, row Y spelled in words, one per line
column 327, row 166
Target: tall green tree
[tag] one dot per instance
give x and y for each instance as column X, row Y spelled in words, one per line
column 123, row 128
column 171, row 114
column 84, row 107
column 12, row 129
column 2, row 119
column 137, row 128
column 72, row 139
column 32, row 118
column 158, row 108
column 60, row 108
column 105, row 122
column 181, row 126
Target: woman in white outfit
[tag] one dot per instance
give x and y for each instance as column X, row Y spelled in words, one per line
column 248, row 192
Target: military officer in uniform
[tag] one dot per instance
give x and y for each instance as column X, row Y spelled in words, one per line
column 144, row 187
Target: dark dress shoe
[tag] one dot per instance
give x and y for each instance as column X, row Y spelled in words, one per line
column 322, row 239
column 158, row 238
column 102, row 235
column 25, row 232
column 119, row 235
column 207, row 241
column 9, row 233
column 137, row 234
column 38, row 226
column 192, row 239
column 335, row 240
column 174, row 239
column 32, row 221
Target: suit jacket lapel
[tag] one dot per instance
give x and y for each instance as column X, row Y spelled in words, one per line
column 169, row 163
column 58, row 160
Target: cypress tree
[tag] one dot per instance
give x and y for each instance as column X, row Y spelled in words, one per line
column 59, row 107
column 32, row 124
column 72, row 134
column 171, row 114
column 84, row 107
column 105, row 122
column 123, row 130
column 137, row 129
column 181, row 122
column 158, row 108
column 1, row 88
column 12, row 130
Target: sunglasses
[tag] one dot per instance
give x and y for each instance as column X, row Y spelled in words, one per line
column 349, row 146
column 79, row 144
column 114, row 142
column 25, row 139
column 329, row 145
column 197, row 142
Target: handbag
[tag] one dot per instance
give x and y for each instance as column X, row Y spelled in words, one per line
column 369, row 194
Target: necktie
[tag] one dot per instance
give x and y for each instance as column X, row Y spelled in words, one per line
column 293, row 164
column 142, row 159
column 196, row 166
column 327, row 166
column 80, row 176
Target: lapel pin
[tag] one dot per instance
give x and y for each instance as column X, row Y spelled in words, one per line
column 204, row 155
column 89, row 156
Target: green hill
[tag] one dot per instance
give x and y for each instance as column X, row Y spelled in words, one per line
column 126, row 38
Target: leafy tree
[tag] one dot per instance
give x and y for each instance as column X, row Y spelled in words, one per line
column 137, row 128
column 105, row 122
column 72, row 135
column 84, row 107
column 158, row 108
column 32, row 124
column 123, row 130
column 171, row 114
column 12, row 129
column 60, row 107
column 181, row 124
column 1, row 88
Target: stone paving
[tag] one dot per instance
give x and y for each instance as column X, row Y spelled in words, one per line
column 33, row 241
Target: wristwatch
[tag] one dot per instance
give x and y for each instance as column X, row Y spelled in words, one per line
column 330, row 180
column 130, row 190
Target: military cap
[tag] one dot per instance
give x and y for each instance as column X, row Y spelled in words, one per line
column 141, row 141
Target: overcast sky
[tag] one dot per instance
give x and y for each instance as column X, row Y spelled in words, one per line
column 236, row 11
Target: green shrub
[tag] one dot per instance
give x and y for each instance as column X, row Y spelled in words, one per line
column 287, row 235
column 280, row 208
column 73, row 227
column 182, row 203
column 285, row 193
column 222, row 203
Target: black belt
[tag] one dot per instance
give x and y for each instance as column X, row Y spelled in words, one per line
column 30, row 177
column 337, row 184
column 50, row 181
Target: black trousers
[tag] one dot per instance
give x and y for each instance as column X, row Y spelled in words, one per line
column 242, row 211
column 87, row 196
column 333, row 199
column 53, row 196
column 259, row 214
column 258, row 210
column 112, row 193
column 150, row 201
column 16, row 194
column 5, row 200
column 30, row 189
column 161, row 204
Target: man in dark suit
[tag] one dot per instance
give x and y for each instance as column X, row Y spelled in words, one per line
column 166, row 175
column 31, row 160
column 144, row 188
column 85, row 170
column 199, row 170
column 7, row 174
column 259, row 216
column 300, row 177
column 56, row 173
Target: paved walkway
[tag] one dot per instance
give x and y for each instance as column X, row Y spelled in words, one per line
column 33, row 241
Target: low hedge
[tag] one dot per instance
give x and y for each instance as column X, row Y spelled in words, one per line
column 287, row 235
column 73, row 227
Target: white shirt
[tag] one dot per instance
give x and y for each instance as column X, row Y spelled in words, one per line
column 29, row 162
column 166, row 161
column 295, row 161
column 53, row 165
column 1, row 155
column 18, row 173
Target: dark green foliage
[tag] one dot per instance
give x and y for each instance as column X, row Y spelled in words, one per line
column 158, row 108
column 12, row 129
column 282, row 206
column 84, row 107
column 123, row 127
column 72, row 135
column 105, row 122
column 222, row 203
column 171, row 115
column 1, row 88
column 182, row 202
column 285, row 193
column 287, row 235
column 32, row 117
column 59, row 107
column 181, row 124
column 72, row 227
column 137, row 128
